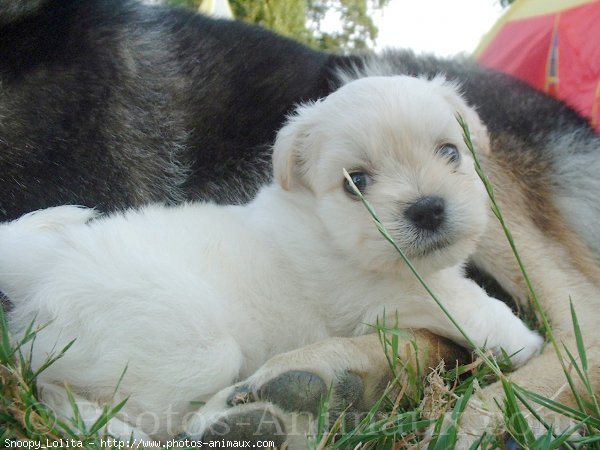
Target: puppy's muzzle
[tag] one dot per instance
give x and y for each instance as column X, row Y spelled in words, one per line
column 427, row 213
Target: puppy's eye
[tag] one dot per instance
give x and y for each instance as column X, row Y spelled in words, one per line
column 450, row 152
column 360, row 179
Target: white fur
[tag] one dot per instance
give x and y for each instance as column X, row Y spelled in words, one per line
column 192, row 298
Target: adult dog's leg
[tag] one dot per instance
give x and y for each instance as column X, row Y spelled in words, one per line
column 281, row 399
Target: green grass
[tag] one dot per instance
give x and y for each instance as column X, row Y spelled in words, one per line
column 414, row 402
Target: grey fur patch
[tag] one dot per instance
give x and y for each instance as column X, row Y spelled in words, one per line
column 11, row 10
column 156, row 117
column 349, row 391
column 576, row 165
column 114, row 103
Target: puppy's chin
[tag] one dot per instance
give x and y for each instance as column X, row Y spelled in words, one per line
column 427, row 259
column 429, row 244
column 439, row 254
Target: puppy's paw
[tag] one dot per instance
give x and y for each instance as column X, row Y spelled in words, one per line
column 527, row 345
column 509, row 334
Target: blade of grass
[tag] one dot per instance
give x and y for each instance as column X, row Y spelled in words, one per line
column 578, row 338
column 517, row 425
column 560, row 408
column 52, row 359
column 583, row 373
column 107, row 414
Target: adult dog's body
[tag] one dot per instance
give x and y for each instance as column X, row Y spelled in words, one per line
column 111, row 104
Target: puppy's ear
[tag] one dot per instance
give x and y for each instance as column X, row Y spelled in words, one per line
column 290, row 147
column 285, row 155
column 477, row 130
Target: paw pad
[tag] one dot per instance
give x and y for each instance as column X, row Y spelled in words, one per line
column 295, row 390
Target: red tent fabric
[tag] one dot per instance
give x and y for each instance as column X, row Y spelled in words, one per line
column 557, row 52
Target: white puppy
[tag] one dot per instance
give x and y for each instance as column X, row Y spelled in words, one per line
column 193, row 298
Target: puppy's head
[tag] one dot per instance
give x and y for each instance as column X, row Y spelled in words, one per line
column 399, row 140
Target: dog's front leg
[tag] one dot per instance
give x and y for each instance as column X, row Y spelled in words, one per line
column 544, row 376
column 280, row 401
column 486, row 322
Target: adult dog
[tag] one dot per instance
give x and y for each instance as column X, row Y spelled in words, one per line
column 111, row 104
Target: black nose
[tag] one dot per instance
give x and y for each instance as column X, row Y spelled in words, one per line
column 427, row 213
